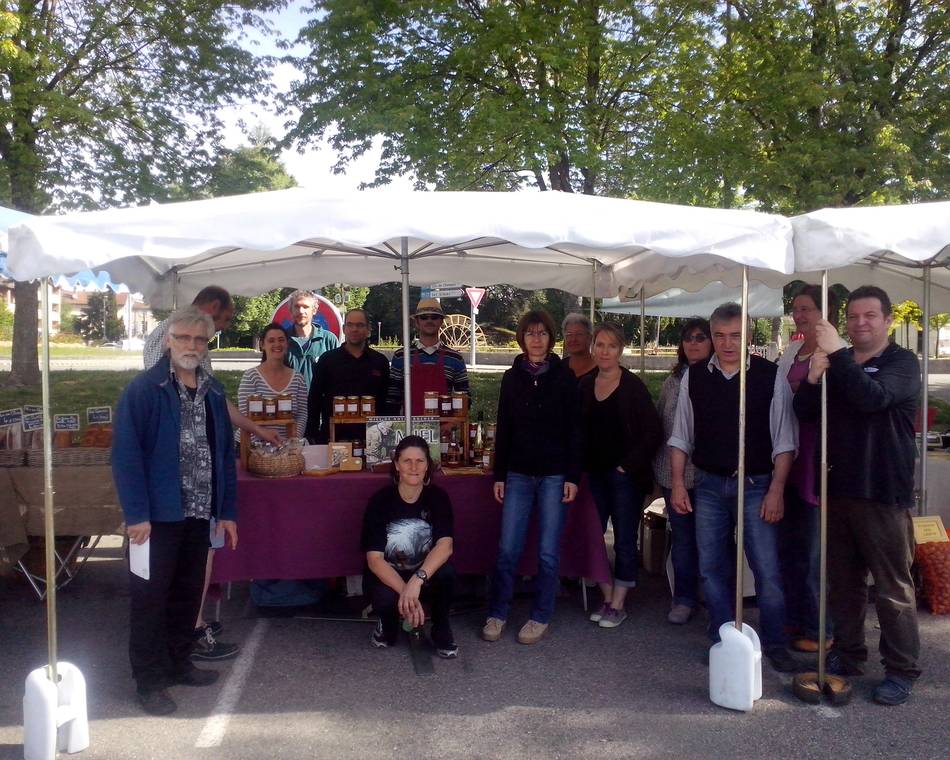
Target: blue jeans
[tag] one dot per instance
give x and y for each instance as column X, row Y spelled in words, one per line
column 684, row 553
column 618, row 498
column 715, row 510
column 799, row 551
column 521, row 494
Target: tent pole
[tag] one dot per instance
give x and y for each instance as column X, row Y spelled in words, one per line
column 925, row 393
column 593, row 288
column 48, row 527
column 823, row 507
column 406, row 335
column 643, row 336
column 740, row 470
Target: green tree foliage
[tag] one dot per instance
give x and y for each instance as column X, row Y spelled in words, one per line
column 491, row 96
column 384, row 304
column 823, row 103
column 101, row 321
column 6, row 322
column 248, row 169
column 345, row 297
column 251, row 315
column 104, row 103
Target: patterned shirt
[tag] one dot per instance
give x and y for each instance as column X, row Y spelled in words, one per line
column 253, row 382
column 194, row 448
column 155, row 349
column 456, row 374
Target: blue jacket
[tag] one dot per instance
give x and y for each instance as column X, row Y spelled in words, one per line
column 145, row 449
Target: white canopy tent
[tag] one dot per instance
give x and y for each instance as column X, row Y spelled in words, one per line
column 676, row 302
column 248, row 244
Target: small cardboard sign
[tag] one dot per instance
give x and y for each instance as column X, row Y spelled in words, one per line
column 68, row 422
column 32, row 409
column 99, row 415
column 32, row 422
column 11, row 417
column 929, row 528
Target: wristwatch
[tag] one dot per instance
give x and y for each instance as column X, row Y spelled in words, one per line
column 422, row 575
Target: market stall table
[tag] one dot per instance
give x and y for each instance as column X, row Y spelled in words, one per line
column 309, row 527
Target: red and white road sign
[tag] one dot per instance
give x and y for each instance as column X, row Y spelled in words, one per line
column 475, row 296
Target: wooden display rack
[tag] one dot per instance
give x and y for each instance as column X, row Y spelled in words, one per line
column 342, row 420
column 287, row 423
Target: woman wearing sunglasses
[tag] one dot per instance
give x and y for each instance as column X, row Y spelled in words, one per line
column 694, row 346
column 537, row 462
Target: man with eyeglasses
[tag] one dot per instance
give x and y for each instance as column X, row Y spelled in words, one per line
column 434, row 366
column 706, row 431
column 173, row 465
column 215, row 302
column 353, row 369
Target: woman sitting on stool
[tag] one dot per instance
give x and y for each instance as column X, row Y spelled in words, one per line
column 407, row 537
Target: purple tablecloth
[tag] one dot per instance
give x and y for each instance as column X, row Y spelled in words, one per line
column 307, row 527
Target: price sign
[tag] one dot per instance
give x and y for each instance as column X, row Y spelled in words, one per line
column 32, row 409
column 99, row 415
column 67, row 422
column 11, row 416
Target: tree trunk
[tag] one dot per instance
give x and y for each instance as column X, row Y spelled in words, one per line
column 777, row 332
column 25, row 370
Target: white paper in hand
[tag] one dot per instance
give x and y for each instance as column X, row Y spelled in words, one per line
column 138, row 559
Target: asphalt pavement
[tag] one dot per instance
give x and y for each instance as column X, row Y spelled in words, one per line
column 308, row 688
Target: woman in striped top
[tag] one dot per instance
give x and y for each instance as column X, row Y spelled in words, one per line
column 275, row 376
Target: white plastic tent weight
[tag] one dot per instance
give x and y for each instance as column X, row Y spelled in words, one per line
column 54, row 715
column 735, row 667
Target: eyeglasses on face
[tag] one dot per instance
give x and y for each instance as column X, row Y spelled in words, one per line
column 696, row 338
column 189, row 340
column 538, row 334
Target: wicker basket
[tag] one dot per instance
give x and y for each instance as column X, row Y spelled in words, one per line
column 12, row 458
column 71, row 457
column 275, row 465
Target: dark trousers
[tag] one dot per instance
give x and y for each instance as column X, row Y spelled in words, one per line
column 437, row 592
column 620, row 500
column 165, row 607
column 862, row 536
column 799, row 547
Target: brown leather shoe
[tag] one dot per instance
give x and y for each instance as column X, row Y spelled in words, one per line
column 532, row 632
column 805, row 644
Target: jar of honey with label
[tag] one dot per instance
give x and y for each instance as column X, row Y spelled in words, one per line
column 285, row 406
column 339, row 406
column 270, row 407
column 459, row 404
column 255, row 406
column 431, row 403
column 352, row 406
column 367, row 406
column 445, row 405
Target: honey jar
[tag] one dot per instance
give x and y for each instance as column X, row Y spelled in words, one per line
column 255, row 406
column 367, row 407
column 352, row 406
column 339, row 406
column 445, row 405
column 431, row 403
column 459, row 404
column 285, row 406
column 270, row 407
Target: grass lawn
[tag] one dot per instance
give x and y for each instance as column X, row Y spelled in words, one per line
column 72, row 391
column 73, row 351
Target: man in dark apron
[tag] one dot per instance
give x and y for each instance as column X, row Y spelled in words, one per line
column 433, row 366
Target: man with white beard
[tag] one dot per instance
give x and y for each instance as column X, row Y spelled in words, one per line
column 173, row 467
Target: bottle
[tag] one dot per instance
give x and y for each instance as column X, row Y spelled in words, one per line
column 473, row 436
column 455, row 449
column 444, row 447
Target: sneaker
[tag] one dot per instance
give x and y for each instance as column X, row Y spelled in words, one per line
column 156, row 702
column 595, row 617
column 679, row 614
column 806, row 644
column 493, row 628
column 612, row 618
column 214, row 626
column 893, row 690
column 194, row 677
column 209, row 648
column 782, row 660
column 532, row 632
column 378, row 639
column 444, row 642
column 839, row 666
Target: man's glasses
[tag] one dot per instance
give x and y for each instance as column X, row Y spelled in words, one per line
column 429, row 318
column 189, row 340
column 697, row 338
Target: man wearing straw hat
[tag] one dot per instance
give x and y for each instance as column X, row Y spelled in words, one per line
column 872, row 401
column 706, row 429
column 433, row 366
column 173, row 467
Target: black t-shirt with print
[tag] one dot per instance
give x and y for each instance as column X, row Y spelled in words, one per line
column 405, row 533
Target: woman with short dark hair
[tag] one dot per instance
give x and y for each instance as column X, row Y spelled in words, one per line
column 407, row 537
column 694, row 346
column 621, row 433
column 537, row 462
